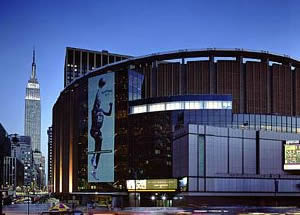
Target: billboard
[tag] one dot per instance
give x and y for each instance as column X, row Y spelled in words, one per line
column 101, row 128
column 150, row 185
column 292, row 155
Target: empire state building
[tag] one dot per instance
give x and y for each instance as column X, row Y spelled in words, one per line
column 33, row 109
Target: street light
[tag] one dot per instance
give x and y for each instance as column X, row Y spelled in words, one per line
column 41, row 176
column 28, row 197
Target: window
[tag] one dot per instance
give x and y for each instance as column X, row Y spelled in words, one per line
column 157, row 107
column 139, row 109
column 178, row 105
column 157, row 151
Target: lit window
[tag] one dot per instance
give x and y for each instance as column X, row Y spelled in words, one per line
column 187, row 105
column 181, row 105
column 157, row 107
column 173, row 105
column 139, row 109
column 213, row 105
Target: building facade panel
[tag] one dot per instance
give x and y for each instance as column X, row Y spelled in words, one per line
column 193, row 155
column 216, row 155
column 256, row 87
column 250, row 158
column 235, row 154
column 197, row 77
column 297, row 91
column 228, row 81
column 282, row 89
column 181, row 164
column 271, row 164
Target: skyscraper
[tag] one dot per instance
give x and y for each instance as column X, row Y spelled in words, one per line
column 22, row 150
column 78, row 62
column 33, row 109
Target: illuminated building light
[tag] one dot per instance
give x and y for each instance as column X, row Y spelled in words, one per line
column 71, row 167
column 151, row 190
column 181, row 105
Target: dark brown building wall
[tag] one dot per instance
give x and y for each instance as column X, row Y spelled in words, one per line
column 256, row 87
column 54, row 149
column 176, row 79
column 228, row 81
column 297, row 91
column 198, row 77
column 65, row 143
column 281, row 89
column 147, row 70
column 165, row 78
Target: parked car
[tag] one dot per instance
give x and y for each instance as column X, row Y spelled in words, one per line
column 27, row 201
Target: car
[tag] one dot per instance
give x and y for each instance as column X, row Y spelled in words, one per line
column 27, row 201
column 75, row 212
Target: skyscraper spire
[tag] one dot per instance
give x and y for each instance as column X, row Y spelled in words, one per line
column 33, row 55
column 33, row 72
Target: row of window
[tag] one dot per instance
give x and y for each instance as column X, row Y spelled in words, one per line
column 181, row 105
column 267, row 122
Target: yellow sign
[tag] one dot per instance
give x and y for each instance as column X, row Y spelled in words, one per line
column 292, row 155
column 152, row 185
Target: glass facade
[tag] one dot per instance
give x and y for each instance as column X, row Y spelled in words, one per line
column 151, row 138
column 289, row 124
column 135, row 85
column 150, row 148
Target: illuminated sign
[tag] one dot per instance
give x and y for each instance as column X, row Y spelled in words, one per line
column 152, row 185
column 101, row 128
column 292, row 155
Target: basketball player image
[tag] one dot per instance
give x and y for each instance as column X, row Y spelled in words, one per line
column 98, row 113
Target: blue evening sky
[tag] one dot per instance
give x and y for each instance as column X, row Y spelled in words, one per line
column 134, row 27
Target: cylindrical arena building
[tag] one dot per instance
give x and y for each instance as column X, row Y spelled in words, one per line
column 187, row 127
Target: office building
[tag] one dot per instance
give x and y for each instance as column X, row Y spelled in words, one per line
column 5, row 151
column 21, row 150
column 79, row 62
column 13, row 173
column 39, row 164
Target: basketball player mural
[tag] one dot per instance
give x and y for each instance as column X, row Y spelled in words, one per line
column 97, row 114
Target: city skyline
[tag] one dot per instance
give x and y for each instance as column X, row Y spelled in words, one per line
column 141, row 29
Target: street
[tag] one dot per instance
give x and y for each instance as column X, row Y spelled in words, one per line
column 22, row 208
